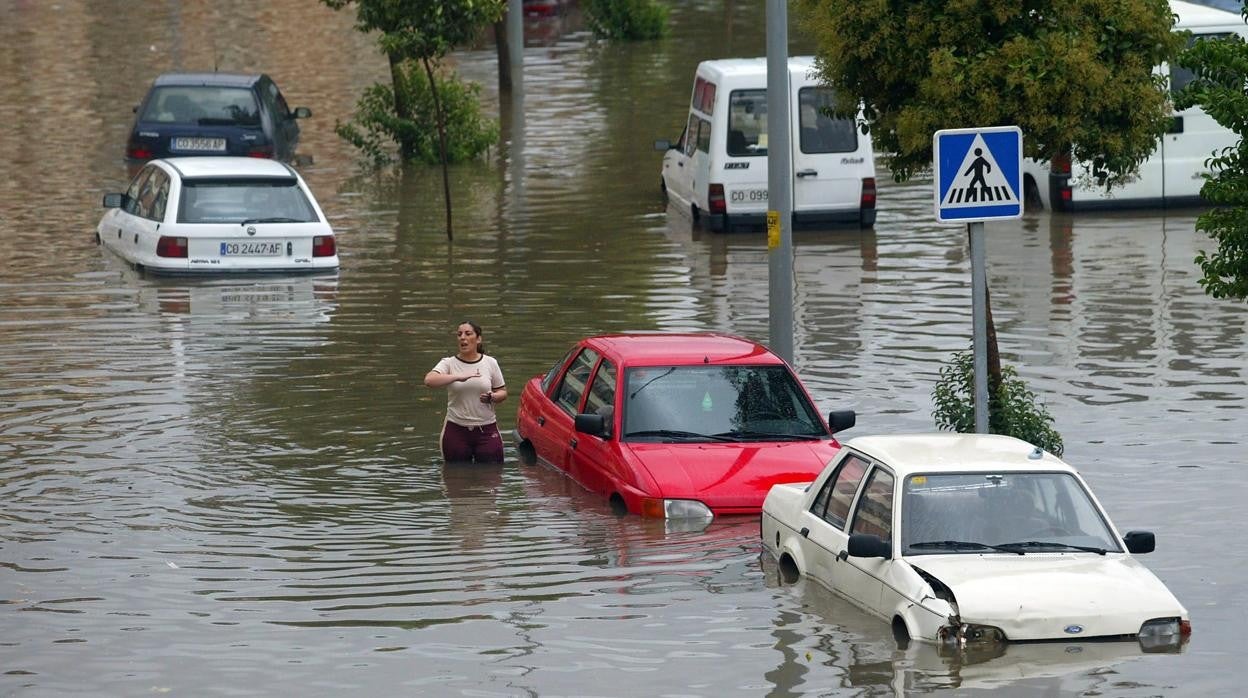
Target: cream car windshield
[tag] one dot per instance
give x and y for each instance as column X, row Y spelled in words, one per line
column 1007, row 512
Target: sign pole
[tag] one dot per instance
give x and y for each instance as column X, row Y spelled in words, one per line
column 779, row 184
column 978, row 176
column 979, row 323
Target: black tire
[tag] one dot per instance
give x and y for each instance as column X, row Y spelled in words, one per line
column 528, row 456
column 1031, row 196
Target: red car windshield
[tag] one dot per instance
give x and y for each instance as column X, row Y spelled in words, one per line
column 717, row 403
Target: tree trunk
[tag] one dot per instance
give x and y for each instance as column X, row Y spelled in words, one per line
column 402, row 107
column 994, row 356
column 504, row 55
column 441, row 118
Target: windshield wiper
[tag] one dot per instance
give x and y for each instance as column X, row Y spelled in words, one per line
column 643, row 385
column 678, row 434
column 274, row 219
column 963, row 544
column 768, row 436
column 1043, row 544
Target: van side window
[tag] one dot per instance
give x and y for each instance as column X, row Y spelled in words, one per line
column 704, row 135
column 703, row 96
column 691, row 136
column 820, row 132
column 708, row 98
column 1180, row 76
column 747, row 123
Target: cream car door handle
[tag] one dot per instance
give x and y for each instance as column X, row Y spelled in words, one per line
column 808, row 173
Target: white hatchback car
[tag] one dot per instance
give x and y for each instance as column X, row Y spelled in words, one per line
column 965, row 539
column 216, row 215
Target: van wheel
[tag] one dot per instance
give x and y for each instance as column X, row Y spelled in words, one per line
column 1031, row 195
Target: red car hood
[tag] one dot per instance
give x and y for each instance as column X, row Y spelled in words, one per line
column 730, row 477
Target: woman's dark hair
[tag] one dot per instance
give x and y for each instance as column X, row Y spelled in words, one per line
column 475, row 328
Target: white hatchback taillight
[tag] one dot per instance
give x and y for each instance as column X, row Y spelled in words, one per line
column 324, row 246
column 168, row 246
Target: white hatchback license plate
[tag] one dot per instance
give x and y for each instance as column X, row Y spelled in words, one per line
column 251, row 249
column 212, row 144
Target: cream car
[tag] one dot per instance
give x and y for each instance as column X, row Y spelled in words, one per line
column 218, row 215
column 965, row 539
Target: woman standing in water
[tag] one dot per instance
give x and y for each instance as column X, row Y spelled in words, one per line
column 474, row 385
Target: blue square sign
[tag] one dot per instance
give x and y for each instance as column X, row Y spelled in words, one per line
column 978, row 173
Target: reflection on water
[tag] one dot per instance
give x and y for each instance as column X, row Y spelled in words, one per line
column 236, row 482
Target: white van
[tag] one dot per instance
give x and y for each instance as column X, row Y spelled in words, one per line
column 1172, row 176
column 717, row 171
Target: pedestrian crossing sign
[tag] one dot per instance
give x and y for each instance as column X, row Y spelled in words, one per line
column 978, row 173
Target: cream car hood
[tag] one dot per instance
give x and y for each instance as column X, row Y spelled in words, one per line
column 1053, row 595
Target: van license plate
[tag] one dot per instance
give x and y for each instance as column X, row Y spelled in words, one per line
column 251, row 249
column 748, row 195
column 211, row 144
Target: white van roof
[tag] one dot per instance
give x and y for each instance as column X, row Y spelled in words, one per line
column 751, row 67
column 1193, row 16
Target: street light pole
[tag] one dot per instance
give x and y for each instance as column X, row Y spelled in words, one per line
column 779, row 183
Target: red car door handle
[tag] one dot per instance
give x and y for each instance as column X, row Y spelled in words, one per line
column 541, row 421
column 572, row 443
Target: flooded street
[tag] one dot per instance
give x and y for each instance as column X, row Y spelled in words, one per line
column 233, row 486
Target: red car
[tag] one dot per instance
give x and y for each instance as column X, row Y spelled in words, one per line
column 676, row 426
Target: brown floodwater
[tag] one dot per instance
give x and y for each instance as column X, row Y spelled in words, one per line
column 233, row 486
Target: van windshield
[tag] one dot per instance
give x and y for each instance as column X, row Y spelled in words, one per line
column 821, row 132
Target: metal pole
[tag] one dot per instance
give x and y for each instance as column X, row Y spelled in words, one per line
column 979, row 323
column 779, row 183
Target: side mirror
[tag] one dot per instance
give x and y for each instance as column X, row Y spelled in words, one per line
column 868, row 545
column 1140, row 542
column 663, row 145
column 840, row 420
column 301, row 112
column 592, row 424
column 114, row 200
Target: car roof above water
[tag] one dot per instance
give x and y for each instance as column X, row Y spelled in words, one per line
column 225, row 166
column 668, row 348
column 222, row 79
column 952, row 453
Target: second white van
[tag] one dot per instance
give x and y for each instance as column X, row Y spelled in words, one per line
column 1173, row 175
column 717, row 170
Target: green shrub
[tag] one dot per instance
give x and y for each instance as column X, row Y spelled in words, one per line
column 629, row 20
column 376, row 129
column 1013, row 410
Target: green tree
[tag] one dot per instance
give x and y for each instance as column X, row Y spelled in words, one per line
column 630, row 20
column 1077, row 76
column 1013, row 409
column 1220, row 69
column 423, row 32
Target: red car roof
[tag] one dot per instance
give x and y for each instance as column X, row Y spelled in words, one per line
column 674, row 348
